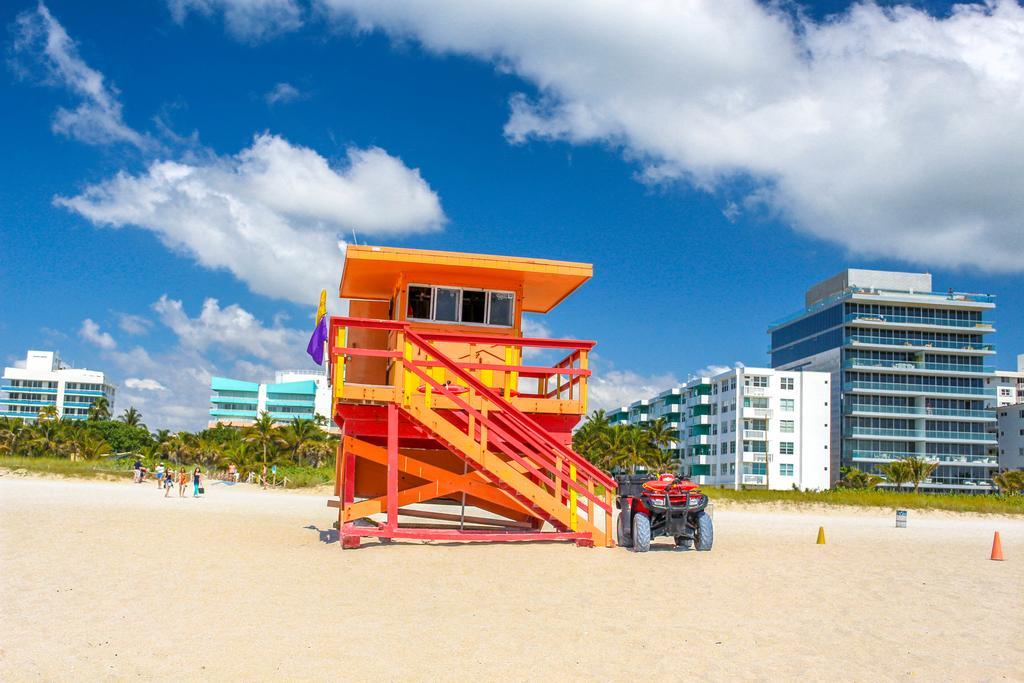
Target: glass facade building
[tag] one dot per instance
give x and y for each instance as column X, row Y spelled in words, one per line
column 911, row 372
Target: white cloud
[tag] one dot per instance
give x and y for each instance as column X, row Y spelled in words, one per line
column 41, row 42
column 273, row 215
column 609, row 389
column 90, row 332
column 134, row 324
column 144, row 384
column 250, row 20
column 282, row 92
column 712, row 369
column 234, row 331
column 886, row 130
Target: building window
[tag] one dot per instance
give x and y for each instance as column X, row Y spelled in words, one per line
column 501, row 305
column 786, row 448
column 474, row 305
column 786, row 383
column 756, row 402
column 786, row 426
column 786, row 469
column 420, row 299
column 787, row 404
column 759, row 381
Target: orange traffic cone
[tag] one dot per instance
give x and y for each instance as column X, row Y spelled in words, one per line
column 821, row 536
column 997, row 548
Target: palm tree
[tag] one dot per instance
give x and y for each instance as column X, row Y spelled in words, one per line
column 131, row 417
column 854, row 478
column 896, row 473
column 263, row 433
column 13, row 435
column 919, row 469
column 590, row 439
column 88, row 446
column 1010, row 481
column 299, row 433
column 48, row 438
column 318, row 452
column 47, row 413
column 99, row 410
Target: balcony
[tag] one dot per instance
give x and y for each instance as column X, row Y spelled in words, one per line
column 234, row 399
column 222, row 412
column 754, row 479
column 915, row 411
column 756, row 434
column 83, row 392
column 888, row 456
column 24, row 402
column 870, row 319
column 757, row 412
column 27, row 390
column 918, row 435
column 918, row 344
column 749, row 456
column 910, row 365
column 916, row 389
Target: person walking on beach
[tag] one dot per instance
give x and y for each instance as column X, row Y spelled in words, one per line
column 138, row 471
column 168, row 483
column 263, row 477
column 159, row 475
column 197, row 475
column 182, row 482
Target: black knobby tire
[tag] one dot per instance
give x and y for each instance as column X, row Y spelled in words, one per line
column 684, row 542
column 641, row 533
column 704, row 535
column 623, row 536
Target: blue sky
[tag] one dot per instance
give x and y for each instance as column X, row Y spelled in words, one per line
column 708, row 184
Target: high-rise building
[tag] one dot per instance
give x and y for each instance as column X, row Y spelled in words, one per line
column 48, row 381
column 910, row 372
column 294, row 393
column 752, row 427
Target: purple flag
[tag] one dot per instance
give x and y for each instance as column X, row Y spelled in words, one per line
column 315, row 348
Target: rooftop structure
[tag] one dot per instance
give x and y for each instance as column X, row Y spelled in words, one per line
column 911, row 372
column 45, row 380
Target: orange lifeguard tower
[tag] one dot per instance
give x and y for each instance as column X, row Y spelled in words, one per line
column 438, row 402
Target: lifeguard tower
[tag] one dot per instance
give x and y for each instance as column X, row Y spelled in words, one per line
column 441, row 402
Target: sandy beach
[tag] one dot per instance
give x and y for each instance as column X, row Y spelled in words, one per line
column 110, row 580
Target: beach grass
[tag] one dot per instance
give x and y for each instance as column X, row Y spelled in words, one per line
column 87, row 469
column 905, row 500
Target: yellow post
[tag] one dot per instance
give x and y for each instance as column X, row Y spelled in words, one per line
column 821, row 535
column 508, row 375
column 407, row 376
column 583, row 382
column 339, row 365
column 574, row 520
column 608, row 541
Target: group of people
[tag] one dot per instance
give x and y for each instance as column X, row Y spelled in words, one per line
column 167, row 478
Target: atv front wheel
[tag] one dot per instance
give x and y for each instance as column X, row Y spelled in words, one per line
column 704, row 535
column 641, row 533
column 684, row 542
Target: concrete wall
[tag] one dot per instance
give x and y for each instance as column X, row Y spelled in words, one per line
column 872, row 279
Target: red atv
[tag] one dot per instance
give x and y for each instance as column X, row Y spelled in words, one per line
column 668, row 506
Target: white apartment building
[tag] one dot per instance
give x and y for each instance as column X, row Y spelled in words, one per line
column 1010, row 423
column 1009, row 384
column 747, row 427
column 47, row 381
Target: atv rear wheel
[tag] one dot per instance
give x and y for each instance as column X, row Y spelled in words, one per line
column 704, row 535
column 684, row 542
column 641, row 533
column 623, row 536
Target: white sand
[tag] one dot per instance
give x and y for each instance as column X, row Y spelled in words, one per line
column 110, row 580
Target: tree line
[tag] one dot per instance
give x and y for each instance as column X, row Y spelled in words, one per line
column 299, row 442
column 626, row 448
